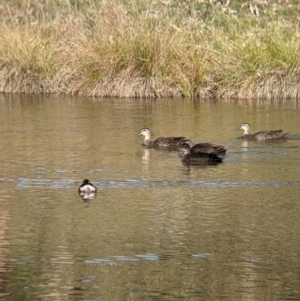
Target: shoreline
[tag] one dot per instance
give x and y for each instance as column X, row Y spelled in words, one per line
column 270, row 86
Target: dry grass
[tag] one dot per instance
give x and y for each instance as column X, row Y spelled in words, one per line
column 149, row 48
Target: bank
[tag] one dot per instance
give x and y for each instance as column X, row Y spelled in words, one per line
column 151, row 49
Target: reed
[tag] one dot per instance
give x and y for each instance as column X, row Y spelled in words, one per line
column 135, row 48
column 27, row 59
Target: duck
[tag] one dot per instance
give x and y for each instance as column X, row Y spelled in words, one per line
column 160, row 142
column 87, row 187
column 261, row 135
column 205, row 147
column 197, row 158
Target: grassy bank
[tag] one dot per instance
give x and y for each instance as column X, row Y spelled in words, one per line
column 143, row 48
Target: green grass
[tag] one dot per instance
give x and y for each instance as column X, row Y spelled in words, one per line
column 143, row 48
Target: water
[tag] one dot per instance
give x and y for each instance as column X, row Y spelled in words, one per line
column 156, row 230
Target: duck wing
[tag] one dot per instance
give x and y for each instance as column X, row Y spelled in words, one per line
column 267, row 135
column 208, row 148
column 168, row 142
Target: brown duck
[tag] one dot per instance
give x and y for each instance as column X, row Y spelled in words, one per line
column 261, row 135
column 160, row 142
column 197, row 158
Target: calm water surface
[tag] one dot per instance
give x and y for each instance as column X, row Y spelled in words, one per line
column 157, row 230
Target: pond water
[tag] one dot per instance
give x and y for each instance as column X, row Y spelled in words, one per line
column 156, row 230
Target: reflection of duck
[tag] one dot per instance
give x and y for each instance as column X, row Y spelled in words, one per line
column 245, row 145
column 146, row 156
column 87, row 187
column 197, row 158
column 261, row 135
column 87, row 196
column 208, row 148
column 160, row 142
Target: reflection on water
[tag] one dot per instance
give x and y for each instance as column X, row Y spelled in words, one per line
column 156, row 230
column 87, row 196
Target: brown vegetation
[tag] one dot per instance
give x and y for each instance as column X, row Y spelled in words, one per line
column 150, row 48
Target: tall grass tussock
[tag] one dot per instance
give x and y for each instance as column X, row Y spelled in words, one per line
column 158, row 48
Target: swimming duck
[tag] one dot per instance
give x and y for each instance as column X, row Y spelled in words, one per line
column 160, row 142
column 87, row 187
column 197, row 158
column 208, row 148
column 261, row 135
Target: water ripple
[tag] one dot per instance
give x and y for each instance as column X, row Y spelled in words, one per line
column 111, row 261
column 65, row 183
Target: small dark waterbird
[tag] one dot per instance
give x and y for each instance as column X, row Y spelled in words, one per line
column 87, row 187
column 160, row 142
column 197, row 158
column 261, row 135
